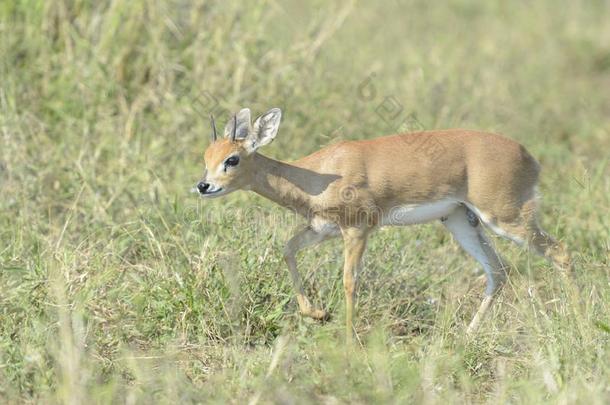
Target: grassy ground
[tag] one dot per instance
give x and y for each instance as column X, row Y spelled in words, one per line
column 117, row 285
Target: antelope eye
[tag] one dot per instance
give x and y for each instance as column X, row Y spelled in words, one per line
column 232, row 161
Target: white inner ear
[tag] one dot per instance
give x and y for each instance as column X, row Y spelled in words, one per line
column 243, row 129
column 265, row 128
column 243, row 124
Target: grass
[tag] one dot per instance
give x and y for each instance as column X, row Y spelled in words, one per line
column 117, row 285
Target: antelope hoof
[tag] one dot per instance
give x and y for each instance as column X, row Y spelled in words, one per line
column 317, row 314
column 309, row 311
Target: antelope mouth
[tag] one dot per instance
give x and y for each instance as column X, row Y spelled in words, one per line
column 212, row 193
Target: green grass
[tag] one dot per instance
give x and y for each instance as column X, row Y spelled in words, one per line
column 118, row 285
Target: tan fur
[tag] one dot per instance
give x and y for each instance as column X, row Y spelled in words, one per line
column 349, row 187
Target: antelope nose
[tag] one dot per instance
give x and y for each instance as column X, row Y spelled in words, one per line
column 202, row 187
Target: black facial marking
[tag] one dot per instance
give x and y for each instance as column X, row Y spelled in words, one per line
column 473, row 220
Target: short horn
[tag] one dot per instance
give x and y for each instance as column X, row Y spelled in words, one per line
column 234, row 134
column 214, row 136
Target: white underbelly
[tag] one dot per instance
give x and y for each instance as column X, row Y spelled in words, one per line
column 409, row 214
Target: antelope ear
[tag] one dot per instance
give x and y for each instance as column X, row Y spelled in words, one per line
column 243, row 125
column 265, row 129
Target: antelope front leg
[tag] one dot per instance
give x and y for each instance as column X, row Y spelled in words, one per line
column 483, row 308
column 304, row 238
column 355, row 244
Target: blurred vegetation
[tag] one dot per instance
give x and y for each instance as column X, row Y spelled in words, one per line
column 117, row 285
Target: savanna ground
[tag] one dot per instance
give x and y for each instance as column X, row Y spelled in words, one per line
column 118, row 285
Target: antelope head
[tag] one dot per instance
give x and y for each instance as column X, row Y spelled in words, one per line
column 229, row 163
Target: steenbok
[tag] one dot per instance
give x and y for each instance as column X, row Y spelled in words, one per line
column 349, row 189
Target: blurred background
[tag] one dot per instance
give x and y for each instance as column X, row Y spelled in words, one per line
column 118, row 285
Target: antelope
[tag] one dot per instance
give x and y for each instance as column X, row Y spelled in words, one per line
column 461, row 177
